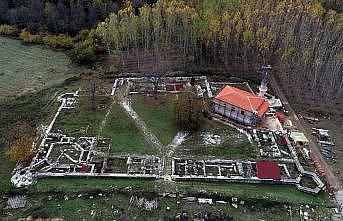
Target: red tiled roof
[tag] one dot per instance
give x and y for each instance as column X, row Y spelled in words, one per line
column 174, row 86
column 243, row 99
column 268, row 170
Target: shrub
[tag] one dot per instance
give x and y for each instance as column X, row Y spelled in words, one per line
column 26, row 37
column 7, row 30
column 58, row 41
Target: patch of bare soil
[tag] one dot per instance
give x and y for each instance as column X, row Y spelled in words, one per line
column 331, row 122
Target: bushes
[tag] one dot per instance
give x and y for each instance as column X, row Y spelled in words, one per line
column 85, row 49
column 7, row 30
column 58, row 41
column 83, row 52
column 54, row 41
column 26, row 37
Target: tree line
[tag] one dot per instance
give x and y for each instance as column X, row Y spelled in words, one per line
column 302, row 38
column 58, row 16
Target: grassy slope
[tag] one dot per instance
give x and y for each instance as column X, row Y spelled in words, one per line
column 126, row 137
column 32, row 67
column 32, row 109
column 157, row 114
column 27, row 109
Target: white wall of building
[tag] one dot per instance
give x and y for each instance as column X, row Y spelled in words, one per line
column 233, row 112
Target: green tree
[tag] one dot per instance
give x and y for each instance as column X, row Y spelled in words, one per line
column 188, row 110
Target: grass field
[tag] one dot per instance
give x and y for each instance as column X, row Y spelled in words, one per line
column 126, row 137
column 157, row 114
column 85, row 114
column 234, row 145
column 267, row 202
column 269, row 194
column 30, row 68
column 47, row 197
column 114, row 206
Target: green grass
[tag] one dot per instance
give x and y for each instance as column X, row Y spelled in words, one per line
column 126, row 137
column 6, row 167
column 157, row 114
column 268, row 201
column 113, row 206
column 85, row 114
column 269, row 194
column 237, row 145
column 31, row 109
column 30, row 68
column 264, row 194
column 75, row 185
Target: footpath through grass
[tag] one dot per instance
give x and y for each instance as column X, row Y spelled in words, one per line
column 126, row 136
column 158, row 114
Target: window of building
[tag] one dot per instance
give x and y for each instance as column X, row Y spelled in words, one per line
column 242, row 112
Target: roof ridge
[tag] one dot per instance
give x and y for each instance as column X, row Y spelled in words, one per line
column 242, row 99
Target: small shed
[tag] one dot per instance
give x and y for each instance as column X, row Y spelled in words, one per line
column 16, row 202
column 299, row 138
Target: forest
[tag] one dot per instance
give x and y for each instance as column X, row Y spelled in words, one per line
column 58, row 16
column 302, row 39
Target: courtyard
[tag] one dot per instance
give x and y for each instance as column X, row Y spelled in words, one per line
column 127, row 130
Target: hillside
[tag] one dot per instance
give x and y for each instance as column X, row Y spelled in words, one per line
column 32, row 67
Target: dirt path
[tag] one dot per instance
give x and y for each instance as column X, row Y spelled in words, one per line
column 332, row 179
column 124, row 101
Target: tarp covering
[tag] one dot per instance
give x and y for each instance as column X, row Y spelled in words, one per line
column 298, row 137
column 268, row 170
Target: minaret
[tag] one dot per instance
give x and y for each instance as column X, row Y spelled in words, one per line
column 263, row 87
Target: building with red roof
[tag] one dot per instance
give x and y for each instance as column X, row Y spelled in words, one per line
column 240, row 105
column 268, row 170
